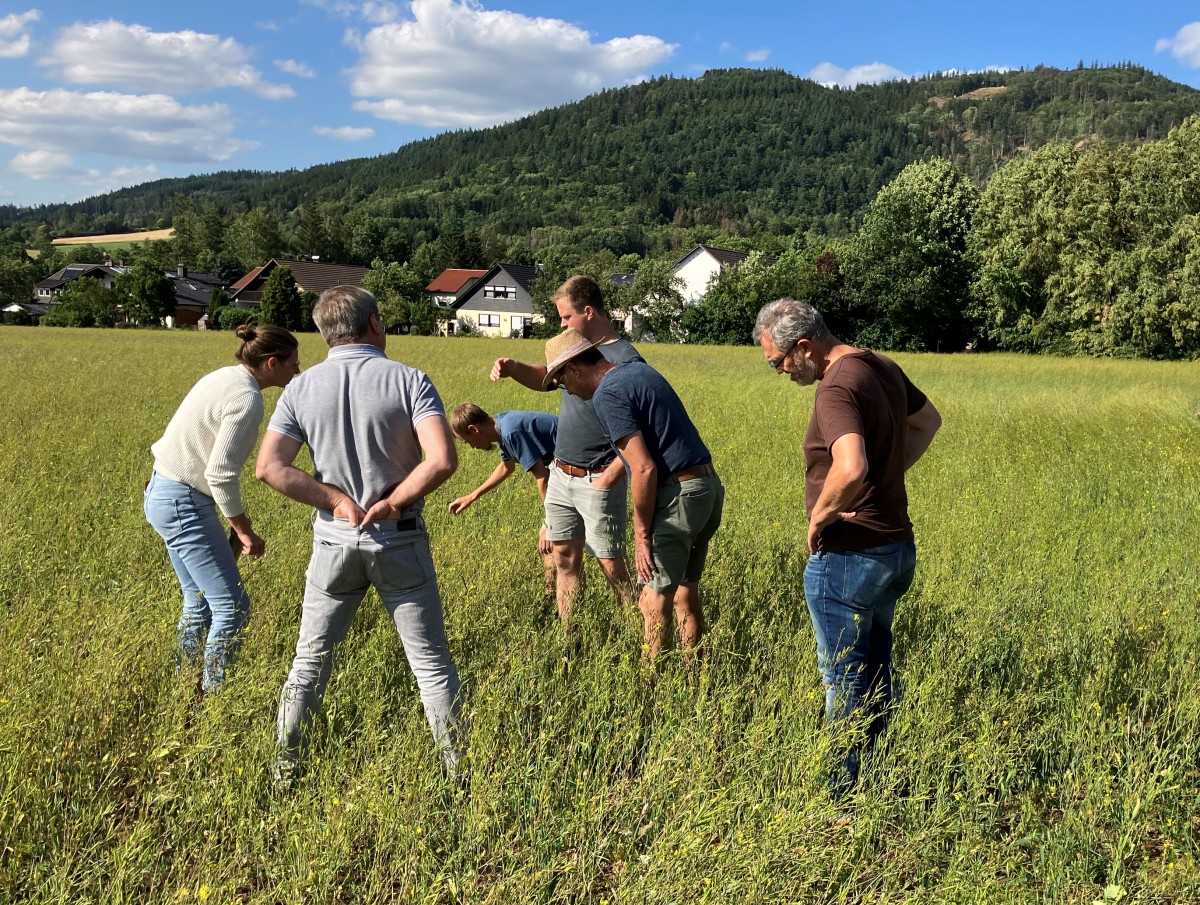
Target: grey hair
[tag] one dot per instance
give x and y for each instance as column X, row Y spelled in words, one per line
column 788, row 321
column 342, row 313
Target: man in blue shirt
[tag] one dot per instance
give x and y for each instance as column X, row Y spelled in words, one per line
column 677, row 496
column 525, row 439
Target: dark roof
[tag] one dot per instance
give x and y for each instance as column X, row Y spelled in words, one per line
column 452, row 279
column 724, row 256
column 621, row 279
column 195, row 290
column 74, row 271
column 523, row 274
column 313, row 276
column 518, row 275
column 33, row 309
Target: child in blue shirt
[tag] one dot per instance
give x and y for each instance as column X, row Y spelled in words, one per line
column 525, row 439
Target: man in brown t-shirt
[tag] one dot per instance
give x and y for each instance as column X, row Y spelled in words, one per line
column 869, row 425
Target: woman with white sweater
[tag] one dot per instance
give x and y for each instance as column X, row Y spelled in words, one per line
column 197, row 465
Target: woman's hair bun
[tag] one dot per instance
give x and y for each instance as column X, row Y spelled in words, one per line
column 246, row 332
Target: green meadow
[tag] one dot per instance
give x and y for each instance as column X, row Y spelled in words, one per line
column 1047, row 747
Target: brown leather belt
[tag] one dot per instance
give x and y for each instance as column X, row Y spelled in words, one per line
column 696, row 471
column 575, row 471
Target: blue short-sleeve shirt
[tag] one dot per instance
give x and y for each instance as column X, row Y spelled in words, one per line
column 634, row 397
column 527, row 437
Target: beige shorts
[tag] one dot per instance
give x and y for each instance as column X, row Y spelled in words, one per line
column 575, row 510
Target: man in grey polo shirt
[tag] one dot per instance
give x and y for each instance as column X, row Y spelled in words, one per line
column 367, row 421
column 586, row 497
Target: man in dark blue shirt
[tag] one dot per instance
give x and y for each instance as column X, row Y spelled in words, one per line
column 677, row 496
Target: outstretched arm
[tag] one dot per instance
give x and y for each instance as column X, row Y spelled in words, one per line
column 275, row 469
column 527, row 375
column 502, row 473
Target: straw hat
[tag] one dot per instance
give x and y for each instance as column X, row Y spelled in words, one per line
column 563, row 348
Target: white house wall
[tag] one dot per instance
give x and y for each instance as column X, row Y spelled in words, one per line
column 695, row 272
column 470, row 318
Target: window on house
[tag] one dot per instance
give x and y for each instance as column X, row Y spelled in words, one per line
column 489, row 320
column 499, row 292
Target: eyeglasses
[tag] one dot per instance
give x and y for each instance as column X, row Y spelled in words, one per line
column 777, row 363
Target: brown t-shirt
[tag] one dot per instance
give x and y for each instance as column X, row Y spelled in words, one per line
column 868, row 394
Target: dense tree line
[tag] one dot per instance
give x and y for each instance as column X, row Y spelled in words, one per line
column 655, row 167
column 1005, row 238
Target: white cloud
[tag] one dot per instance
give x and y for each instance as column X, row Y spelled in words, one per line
column 830, row 75
column 457, row 64
column 343, row 9
column 60, row 167
column 141, row 126
column 14, row 33
column 757, row 56
column 132, row 57
column 376, row 11
column 726, row 47
column 267, row 26
column 379, row 12
column 292, row 67
column 44, row 164
column 1185, row 46
column 345, row 133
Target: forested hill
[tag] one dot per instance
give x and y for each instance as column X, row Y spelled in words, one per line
column 745, row 151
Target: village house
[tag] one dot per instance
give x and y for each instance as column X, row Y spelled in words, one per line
column 498, row 304
column 697, row 268
column 193, row 291
column 451, row 283
column 310, row 276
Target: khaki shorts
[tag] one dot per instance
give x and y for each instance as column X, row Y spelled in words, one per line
column 686, row 516
column 575, row 510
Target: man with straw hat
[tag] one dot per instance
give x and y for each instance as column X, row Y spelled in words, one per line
column 677, row 496
column 586, row 494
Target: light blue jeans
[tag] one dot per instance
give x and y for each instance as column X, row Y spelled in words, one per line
column 214, row 596
column 852, row 601
column 344, row 564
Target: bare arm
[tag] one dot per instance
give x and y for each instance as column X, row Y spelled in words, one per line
column 613, row 472
column 441, row 459
column 541, row 474
column 842, row 484
column 527, row 375
column 644, row 481
column 275, row 469
column 922, row 425
column 502, row 473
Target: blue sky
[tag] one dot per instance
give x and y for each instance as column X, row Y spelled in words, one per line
column 133, row 91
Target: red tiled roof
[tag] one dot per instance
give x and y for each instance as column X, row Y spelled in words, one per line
column 247, row 279
column 453, row 279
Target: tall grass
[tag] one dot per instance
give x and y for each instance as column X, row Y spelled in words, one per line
column 1046, row 747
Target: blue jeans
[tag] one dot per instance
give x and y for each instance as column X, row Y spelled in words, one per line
column 345, row 564
column 214, row 597
column 852, row 600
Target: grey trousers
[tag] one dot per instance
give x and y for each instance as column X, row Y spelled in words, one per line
column 344, row 564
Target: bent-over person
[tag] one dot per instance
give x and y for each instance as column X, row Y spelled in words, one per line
column 677, row 497
column 380, row 444
column 525, row 439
